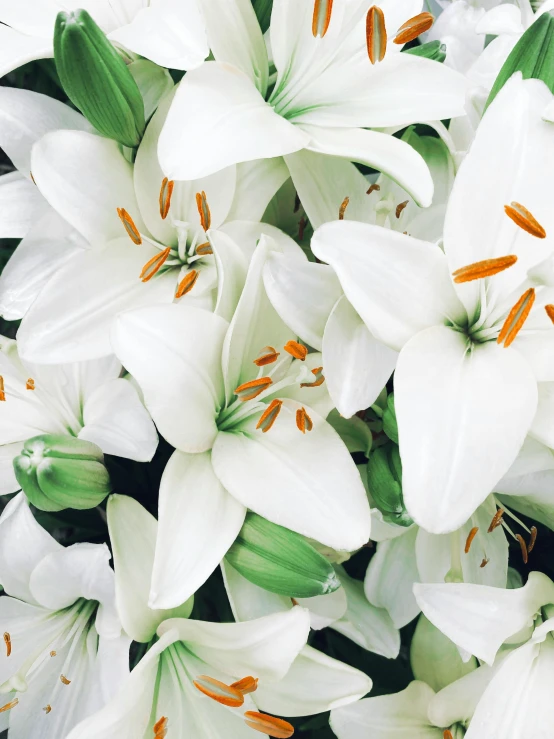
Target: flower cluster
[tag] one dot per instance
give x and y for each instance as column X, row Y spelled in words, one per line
column 276, row 369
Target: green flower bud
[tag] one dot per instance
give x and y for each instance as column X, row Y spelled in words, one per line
column 58, row 472
column 390, row 427
column 384, row 478
column 263, row 9
column 434, row 50
column 280, row 560
column 533, row 56
column 96, row 79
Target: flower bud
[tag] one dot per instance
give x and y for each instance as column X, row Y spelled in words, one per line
column 58, row 472
column 533, row 56
column 434, row 50
column 280, row 560
column 96, row 78
column 384, row 478
column 390, row 427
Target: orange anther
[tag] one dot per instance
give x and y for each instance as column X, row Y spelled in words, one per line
column 2, row 390
column 373, row 188
column 218, row 691
column 269, row 416
column 516, row 318
column 319, row 378
column 268, row 355
column 484, row 562
column 524, row 219
column 266, row 724
column 400, row 207
column 30, row 384
column 376, row 34
column 413, row 28
column 8, row 643
column 343, row 207
column 53, row 653
column 322, row 17
column 129, row 224
column 471, row 536
column 486, row 268
column 64, row 680
column 47, row 708
column 296, row 350
column 9, row 705
column 203, row 210
column 253, row 388
column 246, row 685
column 550, row 311
column 303, row 421
column 187, row 283
column 496, row 520
column 160, row 728
column 532, row 540
column 447, row 734
column 153, row 265
column 166, row 191
column 202, row 250
column 523, row 547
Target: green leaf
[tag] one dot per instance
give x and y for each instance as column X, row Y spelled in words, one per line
column 96, row 79
column 434, row 50
column 280, row 560
column 533, row 56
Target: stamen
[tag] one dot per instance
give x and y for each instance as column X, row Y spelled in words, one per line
column 400, row 207
column 8, row 643
column 524, row 219
column 30, row 384
column 414, row 28
column 246, row 685
column 486, row 268
column 470, row 538
column 202, row 250
column 187, row 283
column 496, row 520
column 203, row 210
column 343, row 207
column 153, row 265
column 376, row 34
column 516, row 318
column 251, row 390
column 129, row 224
column 2, row 391
column 268, row 355
column 296, row 350
column 322, row 17
column 550, row 311
column 160, row 728
column 484, row 562
column 9, row 705
column 303, row 421
column 166, row 191
column 320, row 379
column 269, row 416
column 47, row 708
column 218, row 691
column 373, row 188
column 266, row 724
column 532, row 540
column 447, row 734
column 53, row 653
column 523, row 545
column 64, row 680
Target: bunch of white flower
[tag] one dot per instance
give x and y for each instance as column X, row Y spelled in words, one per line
column 276, row 369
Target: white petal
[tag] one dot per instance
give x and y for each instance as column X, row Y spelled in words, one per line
column 153, row 82
column 315, row 683
column 388, row 716
column 501, row 19
column 170, row 33
column 390, row 577
column 247, row 234
column 458, row 431
column 356, row 365
column 265, row 647
column 455, row 608
column 257, row 183
column 397, row 284
column 193, row 505
column 531, row 495
column 21, row 204
column 86, row 179
column 16, row 49
column 249, row 601
column 133, row 534
column 390, row 155
column 305, row 482
column 233, row 124
column 98, row 284
column 25, row 117
column 325, row 609
column 8, row 482
column 174, row 353
column 232, row 267
column 23, row 544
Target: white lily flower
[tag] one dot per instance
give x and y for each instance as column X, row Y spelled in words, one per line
column 308, row 296
column 170, row 33
column 248, row 432
column 333, row 82
column 457, row 368
column 88, row 400
column 64, row 652
column 151, row 240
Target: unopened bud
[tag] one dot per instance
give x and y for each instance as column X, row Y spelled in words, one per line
column 280, row 560
column 384, row 478
column 96, row 79
column 390, row 427
column 58, row 472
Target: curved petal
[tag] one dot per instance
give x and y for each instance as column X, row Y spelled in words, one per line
column 257, row 182
column 98, row 285
column 233, row 124
column 305, row 482
column 174, row 354
column 8, row 481
column 249, row 601
column 16, row 49
column 231, row 267
column 458, row 431
column 21, row 205
column 357, row 366
column 198, row 522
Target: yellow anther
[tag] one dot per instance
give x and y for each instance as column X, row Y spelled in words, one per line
column 10, row 705
column 2, row 390
column 129, row 224
column 53, row 653
column 268, row 355
column 376, row 34
column 166, row 191
column 153, row 265
column 303, row 421
column 30, row 384
column 322, row 17
column 203, row 210
column 343, row 207
column 47, row 708
column 400, row 207
column 64, row 680
column 202, row 250
column 486, row 268
column 253, row 388
column 524, row 219
column 319, row 378
column 266, row 724
column 516, row 318
column 413, row 28
column 269, row 416
column 471, row 536
column 8, row 643
column 296, row 350
column 187, row 283
column 218, row 691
